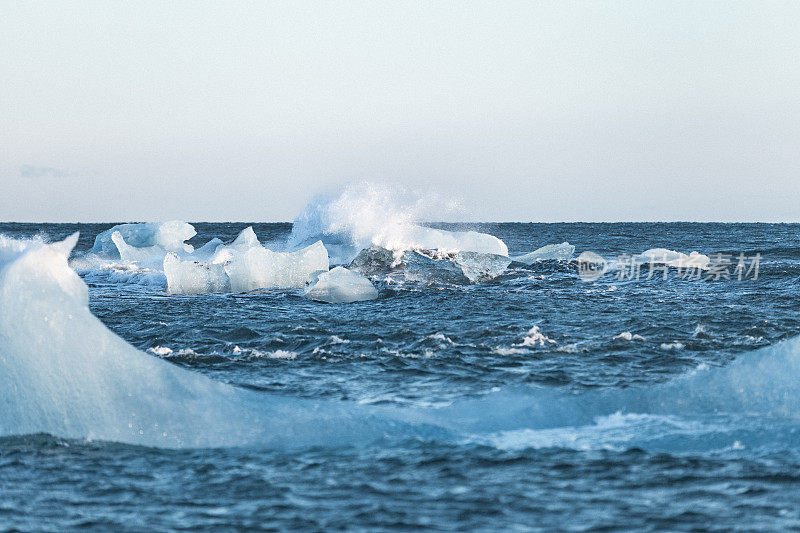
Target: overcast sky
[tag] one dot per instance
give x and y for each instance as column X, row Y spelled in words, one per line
column 528, row 111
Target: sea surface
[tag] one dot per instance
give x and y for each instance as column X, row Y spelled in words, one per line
column 555, row 404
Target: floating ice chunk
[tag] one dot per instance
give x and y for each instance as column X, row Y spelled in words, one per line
column 132, row 254
column 431, row 266
column 424, row 269
column 244, row 241
column 667, row 257
column 168, row 235
column 536, row 338
column 481, row 267
column 259, row 268
column 373, row 260
column 206, row 252
column 674, row 345
column 628, row 336
column 341, row 285
column 192, row 277
column 559, row 252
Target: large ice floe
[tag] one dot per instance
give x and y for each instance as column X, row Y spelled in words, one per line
column 259, row 268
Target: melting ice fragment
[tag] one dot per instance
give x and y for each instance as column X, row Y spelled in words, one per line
column 132, row 254
column 259, row 268
column 481, row 267
column 168, row 235
column 193, row 277
column 341, row 285
column 559, row 252
column 667, row 257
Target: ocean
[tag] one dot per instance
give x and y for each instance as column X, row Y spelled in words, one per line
column 534, row 400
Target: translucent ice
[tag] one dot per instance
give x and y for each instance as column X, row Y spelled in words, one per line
column 206, row 252
column 244, row 241
column 559, row 252
column 429, row 266
column 422, row 268
column 168, row 235
column 62, row 372
column 131, row 254
column 481, row 267
column 259, row 268
column 341, row 285
column 193, row 277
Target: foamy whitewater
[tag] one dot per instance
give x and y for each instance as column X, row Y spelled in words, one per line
column 365, row 372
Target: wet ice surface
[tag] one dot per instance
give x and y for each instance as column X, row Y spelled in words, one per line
column 422, row 345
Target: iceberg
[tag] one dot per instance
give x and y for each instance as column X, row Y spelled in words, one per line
column 168, row 235
column 259, row 268
column 194, row 277
column 558, row 252
column 340, row 285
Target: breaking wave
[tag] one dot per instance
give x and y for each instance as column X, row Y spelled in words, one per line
column 367, row 215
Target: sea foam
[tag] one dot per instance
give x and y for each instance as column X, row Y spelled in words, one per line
column 367, row 215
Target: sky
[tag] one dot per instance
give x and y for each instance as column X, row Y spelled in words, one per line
column 520, row 111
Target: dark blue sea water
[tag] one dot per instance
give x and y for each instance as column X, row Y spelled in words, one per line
column 566, row 405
